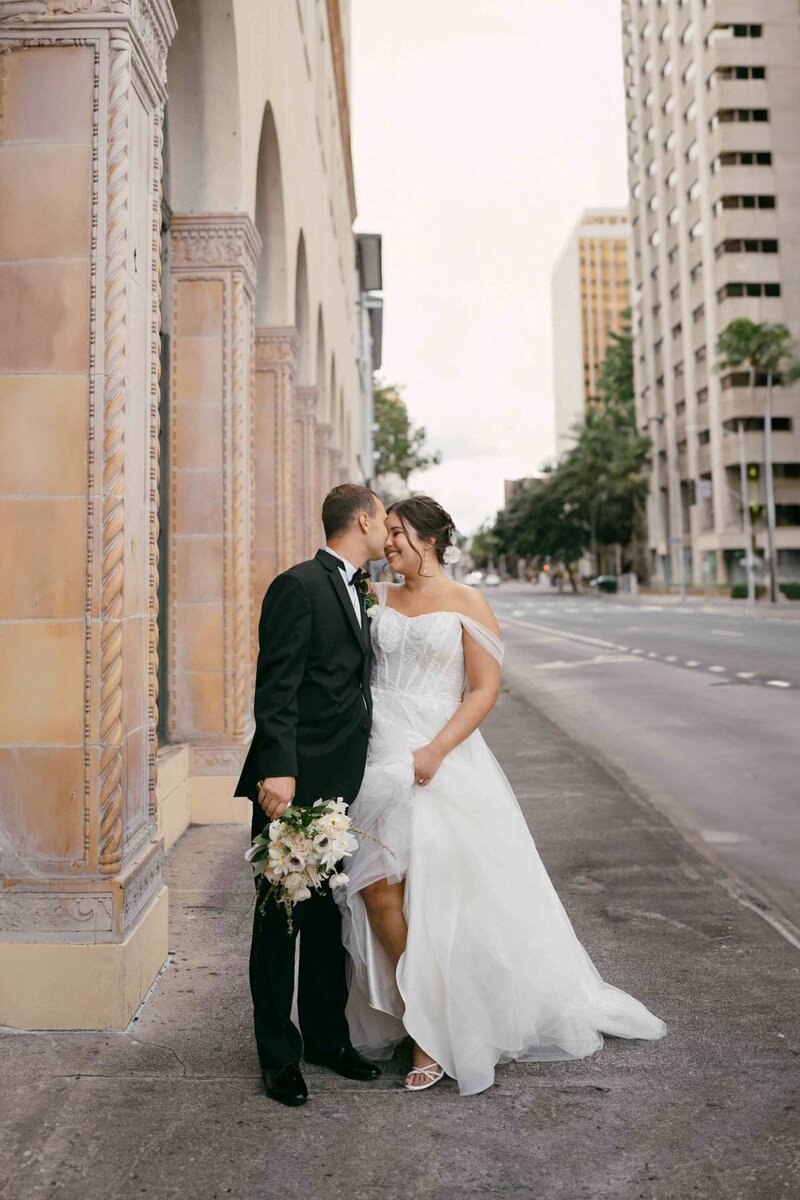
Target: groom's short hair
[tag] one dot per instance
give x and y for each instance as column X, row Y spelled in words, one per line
column 342, row 505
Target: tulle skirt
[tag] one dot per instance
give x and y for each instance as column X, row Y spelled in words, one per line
column 493, row 969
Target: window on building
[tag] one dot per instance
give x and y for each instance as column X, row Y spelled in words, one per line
column 669, row 141
column 677, row 370
column 692, row 151
column 691, row 112
column 668, row 105
column 655, row 238
column 651, row 167
column 674, row 215
column 702, row 395
column 696, row 271
column 666, row 30
column 787, row 514
column 687, row 35
column 690, row 72
column 732, row 290
column 746, row 246
column 696, row 230
column 697, row 313
column 737, row 73
column 676, row 330
column 749, row 201
column 672, row 178
column 694, row 191
column 737, row 379
column 666, row 70
column 700, row 354
column 742, row 158
column 652, row 203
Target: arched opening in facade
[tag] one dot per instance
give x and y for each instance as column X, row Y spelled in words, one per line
column 301, row 316
column 321, row 381
column 204, row 159
column 270, row 223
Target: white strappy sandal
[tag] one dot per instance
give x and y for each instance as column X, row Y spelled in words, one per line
column 433, row 1073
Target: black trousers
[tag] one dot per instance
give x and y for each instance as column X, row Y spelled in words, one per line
column 322, row 983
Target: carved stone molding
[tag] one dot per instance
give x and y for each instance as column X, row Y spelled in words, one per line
column 152, row 21
column 305, row 403
column 225, row 240
column 275, row 346
column 216, row 760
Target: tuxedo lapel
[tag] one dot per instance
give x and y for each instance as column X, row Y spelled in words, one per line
column 340, row 587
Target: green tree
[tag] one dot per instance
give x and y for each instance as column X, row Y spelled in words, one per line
column 595, row 497
column 765, row 350
column 399, row 444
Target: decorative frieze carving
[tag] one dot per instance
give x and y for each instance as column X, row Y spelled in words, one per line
column 216, row 240
column 152, row 20
column 145, row 880
column 84, row 916
column 276, row 346
column 223, row 760
column 276, row 350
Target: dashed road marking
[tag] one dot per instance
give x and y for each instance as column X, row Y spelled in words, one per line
column 778, row 683
column 717, row 670
column 692, row 662
column 727, row 633
column 671, row 658
column 745, row 674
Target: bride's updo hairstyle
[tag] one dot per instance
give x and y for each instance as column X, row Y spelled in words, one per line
column 427, row 519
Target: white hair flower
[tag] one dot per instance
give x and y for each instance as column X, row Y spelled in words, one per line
column 451, row 555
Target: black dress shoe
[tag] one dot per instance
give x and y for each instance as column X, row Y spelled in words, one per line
column 345, row 1061
column 286, row 1085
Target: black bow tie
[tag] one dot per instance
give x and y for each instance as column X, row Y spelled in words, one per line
column 358, row 577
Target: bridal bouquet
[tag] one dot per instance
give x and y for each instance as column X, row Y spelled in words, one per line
column 300, row 852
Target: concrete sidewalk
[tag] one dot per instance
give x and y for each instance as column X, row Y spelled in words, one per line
column 173, row 1106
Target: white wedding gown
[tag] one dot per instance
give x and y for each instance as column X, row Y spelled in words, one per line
column 493, row 969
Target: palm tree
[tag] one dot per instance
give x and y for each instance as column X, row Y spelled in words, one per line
column 764, row 349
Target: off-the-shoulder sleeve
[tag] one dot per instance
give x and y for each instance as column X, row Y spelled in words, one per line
column 487, row 640
column 381, row 588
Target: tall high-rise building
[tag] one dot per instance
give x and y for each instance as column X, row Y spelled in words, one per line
column 590, row 289
column 713, row 112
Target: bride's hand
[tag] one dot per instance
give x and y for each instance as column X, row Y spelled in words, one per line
column 427, row 761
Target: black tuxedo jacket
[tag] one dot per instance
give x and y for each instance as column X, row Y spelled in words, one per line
column 313, row 707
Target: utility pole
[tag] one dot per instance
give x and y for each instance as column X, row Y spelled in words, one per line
column 770, row 489
column 746, row 522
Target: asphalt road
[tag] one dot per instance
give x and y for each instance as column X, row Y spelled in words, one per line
column 700, row 710
column 719, row 639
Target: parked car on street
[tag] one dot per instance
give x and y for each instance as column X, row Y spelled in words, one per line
column 492, row 580
column 473, row 578
column 604, row 583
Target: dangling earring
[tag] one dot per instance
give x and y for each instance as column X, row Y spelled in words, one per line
column 424, row 562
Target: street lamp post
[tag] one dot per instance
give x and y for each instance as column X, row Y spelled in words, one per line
column 746, row 522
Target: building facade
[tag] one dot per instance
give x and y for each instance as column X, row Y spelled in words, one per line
column 590, row 290
column 184, row 371
column 713, row 96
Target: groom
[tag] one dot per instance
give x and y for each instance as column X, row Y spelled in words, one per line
column 313, row 711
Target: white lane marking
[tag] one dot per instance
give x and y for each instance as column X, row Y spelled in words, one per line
column 652, row 654
column 518, row 612
column 727, row 633
column 600, row 659
column 692, row 662
column 723, row 837
column 626, row 648
column 671, row 658
column 570, row 637
column 745, row 674
column 777, row 683
column 718, row 670
column 638, row 650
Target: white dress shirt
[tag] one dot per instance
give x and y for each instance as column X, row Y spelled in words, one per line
column 347, row 571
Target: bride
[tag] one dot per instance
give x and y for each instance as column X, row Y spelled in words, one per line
column 455, row 932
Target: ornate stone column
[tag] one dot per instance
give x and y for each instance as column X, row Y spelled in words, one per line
column 83, row 907
column 210, row 654
column 305, row 481
column 275, row 367
column 324, row 435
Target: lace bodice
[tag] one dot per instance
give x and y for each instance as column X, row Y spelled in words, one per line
column 423, row 656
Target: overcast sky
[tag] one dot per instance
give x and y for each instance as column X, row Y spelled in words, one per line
column 481, row 130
